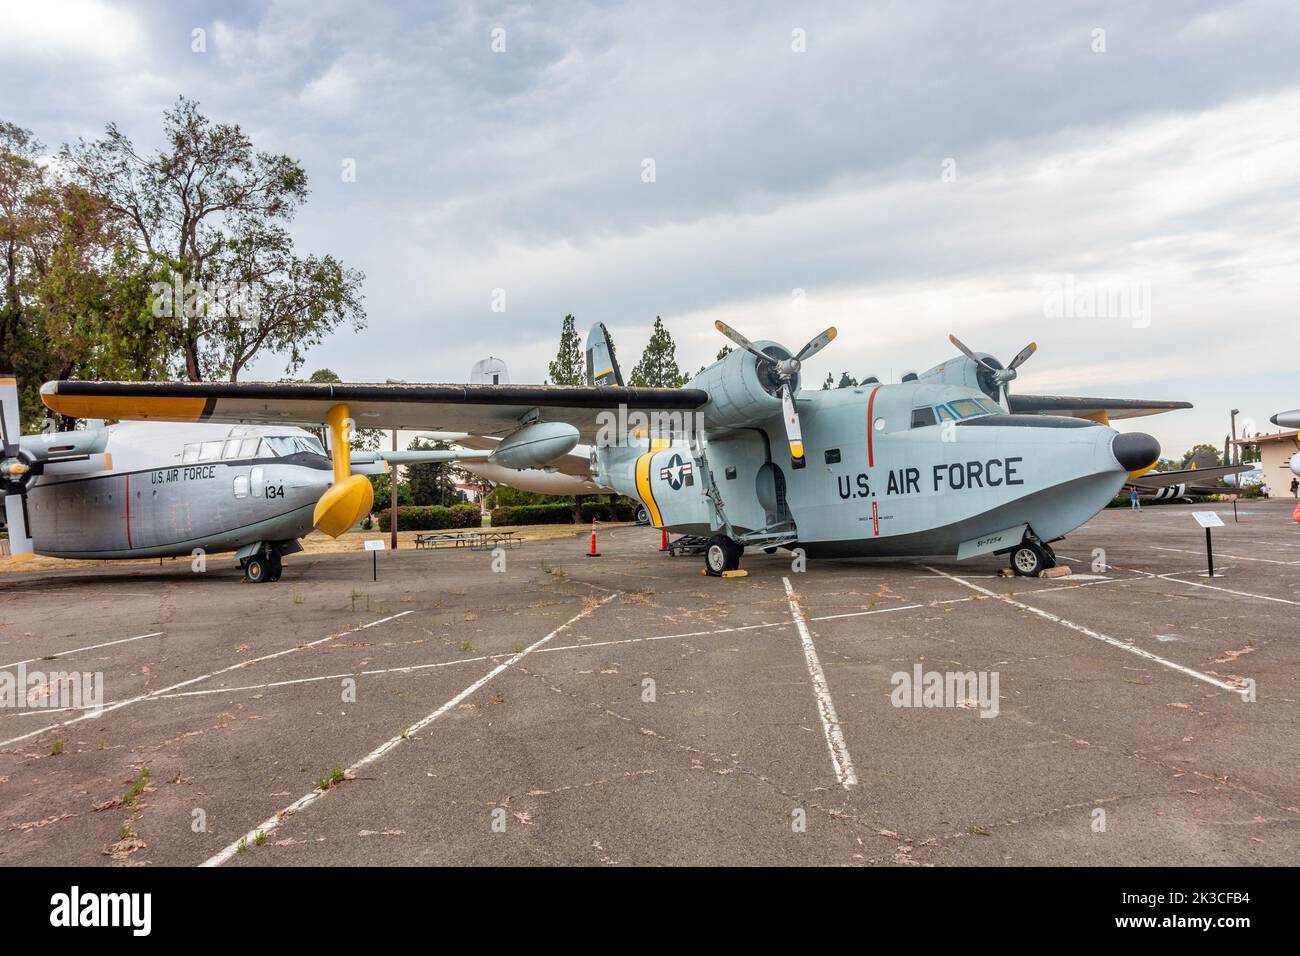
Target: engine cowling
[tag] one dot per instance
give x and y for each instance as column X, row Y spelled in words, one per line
column 741, row 391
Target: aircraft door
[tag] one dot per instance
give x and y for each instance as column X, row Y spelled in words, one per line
column 769, row 485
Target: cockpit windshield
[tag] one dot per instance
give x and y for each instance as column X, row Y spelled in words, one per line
column 285, row 445
column 954, row 411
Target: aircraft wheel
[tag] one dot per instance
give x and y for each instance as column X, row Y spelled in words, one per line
column 255, row 569
column 721, row 555
column 274, row 566
column 642, row 515
column 1028, row 560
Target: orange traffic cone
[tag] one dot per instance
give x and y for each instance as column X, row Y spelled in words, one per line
column 663, row 545
column 593, row 553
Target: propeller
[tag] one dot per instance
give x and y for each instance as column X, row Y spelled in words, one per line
column 18, row 469
column 998, row 377
column 784, row 371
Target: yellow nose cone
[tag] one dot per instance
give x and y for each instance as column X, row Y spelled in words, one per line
column 343, row 505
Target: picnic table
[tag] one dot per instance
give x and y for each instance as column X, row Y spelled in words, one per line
column 476, row 540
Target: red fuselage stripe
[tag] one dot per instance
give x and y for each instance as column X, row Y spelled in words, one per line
column 871, row 428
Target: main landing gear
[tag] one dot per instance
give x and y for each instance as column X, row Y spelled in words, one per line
column 1032, row 558
column 263, row 566
column 722, row 555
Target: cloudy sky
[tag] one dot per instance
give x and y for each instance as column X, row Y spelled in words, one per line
column 900, row 170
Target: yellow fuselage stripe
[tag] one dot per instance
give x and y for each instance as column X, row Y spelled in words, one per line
column 643, row 489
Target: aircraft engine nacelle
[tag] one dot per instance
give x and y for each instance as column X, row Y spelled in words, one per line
column 742, row 393
column 966, row 373
column 534, row 445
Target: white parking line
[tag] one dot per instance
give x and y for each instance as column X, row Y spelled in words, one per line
column 272, row 823
column 1235, row 557
column 88, row 647
column 843, row 764
column 1197, row 584
column 1096, row 635
column 194, row 680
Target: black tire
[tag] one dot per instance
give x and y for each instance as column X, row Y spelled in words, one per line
column 771, row 550
column 1028, row 560
column 255, row 570
column 722, row 554
column 275, row 566
column 642, row 515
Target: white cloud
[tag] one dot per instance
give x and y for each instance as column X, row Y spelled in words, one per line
column 73, row 30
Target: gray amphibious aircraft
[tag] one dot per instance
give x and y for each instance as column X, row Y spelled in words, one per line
column 948, row 463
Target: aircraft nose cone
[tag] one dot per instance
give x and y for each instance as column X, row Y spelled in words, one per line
column 1135, row 450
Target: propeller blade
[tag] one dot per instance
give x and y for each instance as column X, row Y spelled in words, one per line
column 792, row 430
column 740, row 340
column 1023, row 355
column 969, row 354
column 20, row 543
column 816, row 344
column 9, row 414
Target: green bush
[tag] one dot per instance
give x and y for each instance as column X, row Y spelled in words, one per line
column 431, row 518
column 532, row 514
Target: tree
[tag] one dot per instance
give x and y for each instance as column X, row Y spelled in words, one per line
column 829, row 383
column 847, row 381
column 568, row 367
column 658, row 365
column 208, row 214
column 431, row 483
column 383, row 499
column 74, row 301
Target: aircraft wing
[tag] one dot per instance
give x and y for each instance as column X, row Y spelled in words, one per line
column 1201, row 477
column 481, row 410
column 1094, row 408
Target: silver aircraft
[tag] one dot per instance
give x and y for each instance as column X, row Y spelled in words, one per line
column 135, row 490
column 948, row 463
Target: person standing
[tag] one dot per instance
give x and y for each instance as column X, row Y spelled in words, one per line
column 1135, row 504
column 1295, row 488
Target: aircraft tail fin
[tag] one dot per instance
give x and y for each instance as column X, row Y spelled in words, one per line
column 602, row 364
column 1204, row 458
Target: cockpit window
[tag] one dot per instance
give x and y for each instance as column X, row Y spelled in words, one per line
column 945, row 414
column 969, row 408
column 285, row 445
column 922, row 417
